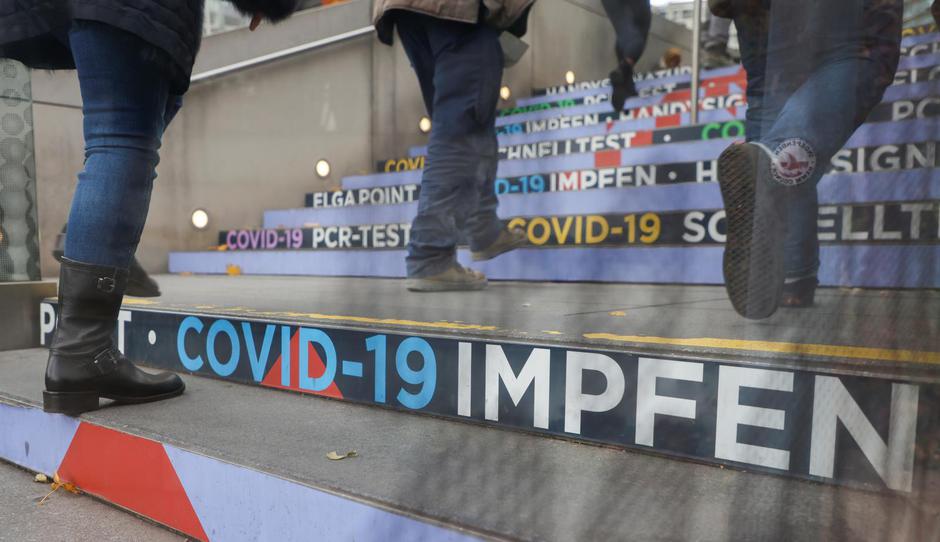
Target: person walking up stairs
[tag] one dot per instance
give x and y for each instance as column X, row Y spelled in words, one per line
column 455, row 51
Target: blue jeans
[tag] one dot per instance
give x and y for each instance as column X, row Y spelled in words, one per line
column 127, row 104
column 815, row 70
column 631, row 20
column 460, row 68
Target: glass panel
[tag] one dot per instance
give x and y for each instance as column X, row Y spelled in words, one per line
column 19, row 233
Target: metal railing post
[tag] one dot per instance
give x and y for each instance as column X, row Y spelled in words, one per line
column 696, row 56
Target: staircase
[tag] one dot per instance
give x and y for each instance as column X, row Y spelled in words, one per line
column 622, row 198
column 601, row 388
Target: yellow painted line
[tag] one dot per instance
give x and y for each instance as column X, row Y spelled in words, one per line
column 456, row 326
column 824, row 350
column 550, row 332
column 138, row 301
column 376, row 321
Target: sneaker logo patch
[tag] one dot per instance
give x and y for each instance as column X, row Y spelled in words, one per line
column 795, row 161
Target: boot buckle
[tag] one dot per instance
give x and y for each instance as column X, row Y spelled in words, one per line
column 106, row 362
column 107, row 284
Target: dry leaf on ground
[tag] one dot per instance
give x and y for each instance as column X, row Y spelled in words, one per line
column 337, row 456
column 59, row 484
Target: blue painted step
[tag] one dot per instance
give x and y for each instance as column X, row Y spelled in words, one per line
column 900, row 185
column 864, row 266
column 917, row 40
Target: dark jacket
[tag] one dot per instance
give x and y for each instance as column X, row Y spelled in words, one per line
column 33, row 31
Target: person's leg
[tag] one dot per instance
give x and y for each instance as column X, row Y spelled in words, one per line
column 719, row 31
column 413, row 34
column 753, row 253
column 631, row 20
column 488, row 237
column 849, row 78
column 466, row 62
column 814, row 124
column 483, row 226
column 139, row 282
column 126, row 104
column 715, row 43
column 818, row 76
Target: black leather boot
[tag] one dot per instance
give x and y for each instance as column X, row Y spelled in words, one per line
column 139, row 283
column 622, row 85
column 83, row 363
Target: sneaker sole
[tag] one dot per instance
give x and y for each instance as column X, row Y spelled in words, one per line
column 424, row 285
column 483, row 256
column 753, row 256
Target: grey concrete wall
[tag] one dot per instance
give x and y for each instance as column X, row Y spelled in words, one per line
column 248, row 142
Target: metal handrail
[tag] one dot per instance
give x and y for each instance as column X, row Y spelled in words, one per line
column 279, row 55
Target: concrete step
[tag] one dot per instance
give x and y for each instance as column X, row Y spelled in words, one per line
column 920, row 40
column 698, row 191
column 241, row 463
column 667, row 370
column 724, row 99
column 854, row 265
column 642, row 148
column 655, row 82
column 919, row 59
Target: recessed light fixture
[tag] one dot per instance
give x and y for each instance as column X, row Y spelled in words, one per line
column 200, row 219
column 505, row 93
column 569, row 77
column 424, row 125
column 323, row 168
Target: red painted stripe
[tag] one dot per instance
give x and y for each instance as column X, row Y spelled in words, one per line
column 719, row 89
column 642, row 139
column 131, row 472
column 677, row 96
column 669, row 121
column 710, row 86
column 317, row 368
column 604, row 159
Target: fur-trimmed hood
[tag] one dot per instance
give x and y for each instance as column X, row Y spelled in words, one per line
column 273, row 10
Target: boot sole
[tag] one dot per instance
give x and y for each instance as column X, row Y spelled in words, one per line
column 753, row 256
column 76, row 403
